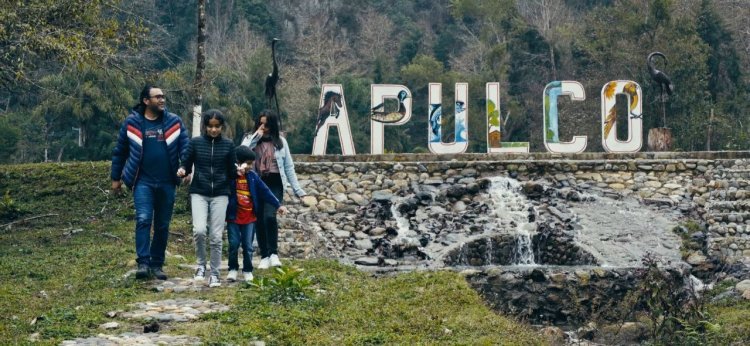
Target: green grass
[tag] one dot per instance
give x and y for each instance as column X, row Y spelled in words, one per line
column 735, row 322
column 61, row 285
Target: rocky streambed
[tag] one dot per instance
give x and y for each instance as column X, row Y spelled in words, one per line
column 547, row 254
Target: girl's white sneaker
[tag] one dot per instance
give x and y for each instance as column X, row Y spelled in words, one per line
column 232, row 276
column 265, row 263
column 275, row 261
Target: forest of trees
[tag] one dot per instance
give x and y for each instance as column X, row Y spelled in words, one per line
column 71, row 69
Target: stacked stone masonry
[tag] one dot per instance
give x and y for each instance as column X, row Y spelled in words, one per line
column 710, row 186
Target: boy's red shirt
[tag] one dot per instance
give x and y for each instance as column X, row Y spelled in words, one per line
column 245, row 207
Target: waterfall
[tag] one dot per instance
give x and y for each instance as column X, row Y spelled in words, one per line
column 511, row 208
column 488, row 258
column 401, row 222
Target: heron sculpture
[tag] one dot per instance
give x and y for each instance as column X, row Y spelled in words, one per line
column 271, row 80
column 665, row 84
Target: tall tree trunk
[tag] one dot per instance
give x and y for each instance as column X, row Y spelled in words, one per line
column 200, row 65
column 708, row 131
column 552, row 61
column 660, row 139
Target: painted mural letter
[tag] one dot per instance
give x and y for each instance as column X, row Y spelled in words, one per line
column 496, row 124
column 551, row 120
column 379, row 116
column 461, row 131
column 609, row 117
column 332, row 112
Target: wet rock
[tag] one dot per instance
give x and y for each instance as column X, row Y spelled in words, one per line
column 364, row 244
column 456, row 191
column 533, row 190
column 537, row 275
column 367, row 261
column 341, row 234
column 377, row 231
column 382, row 195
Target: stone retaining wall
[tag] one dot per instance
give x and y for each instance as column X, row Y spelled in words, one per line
column 708, row 186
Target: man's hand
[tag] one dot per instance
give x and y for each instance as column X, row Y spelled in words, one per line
column 282, row 210
column 186, row 180
column 181, row 172
column 116, row 187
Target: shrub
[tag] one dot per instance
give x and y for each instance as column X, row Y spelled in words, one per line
column 9, row 210
column 286, row 284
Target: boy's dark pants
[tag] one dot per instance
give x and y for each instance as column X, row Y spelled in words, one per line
column 241, row 235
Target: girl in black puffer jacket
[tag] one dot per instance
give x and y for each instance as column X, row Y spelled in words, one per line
column 214, row 160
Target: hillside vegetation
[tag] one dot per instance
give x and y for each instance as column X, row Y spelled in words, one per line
column 63, row 97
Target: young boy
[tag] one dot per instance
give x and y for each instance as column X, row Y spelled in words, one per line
column 248, row 193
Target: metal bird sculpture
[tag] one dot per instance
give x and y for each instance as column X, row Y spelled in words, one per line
column 660, row 77
column 378, row 113
column 272, row 79
column 331, row 105
column 665, row 84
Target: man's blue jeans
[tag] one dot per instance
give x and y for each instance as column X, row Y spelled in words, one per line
column 154, row 203
column 241, row 235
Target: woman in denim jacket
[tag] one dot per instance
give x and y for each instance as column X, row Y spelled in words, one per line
column 275, row 166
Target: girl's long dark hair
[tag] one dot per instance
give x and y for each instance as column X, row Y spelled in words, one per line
column 211, row 114
column 272, row 124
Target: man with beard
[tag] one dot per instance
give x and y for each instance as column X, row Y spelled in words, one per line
column 146, row 158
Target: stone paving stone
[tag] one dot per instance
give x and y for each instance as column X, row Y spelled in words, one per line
column 173, row 310
column 134, row 339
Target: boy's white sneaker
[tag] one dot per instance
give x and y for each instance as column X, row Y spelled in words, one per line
column 265, row 263
column 232, row 276
column 275, row 261
column 248, row 276
column 214, row 281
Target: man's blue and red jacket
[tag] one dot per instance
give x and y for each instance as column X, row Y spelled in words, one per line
column 128, row 152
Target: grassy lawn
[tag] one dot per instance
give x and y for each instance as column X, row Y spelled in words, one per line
column 61, row 274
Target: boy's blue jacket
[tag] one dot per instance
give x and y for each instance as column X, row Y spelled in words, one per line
column 128, row 151
column 259, row 192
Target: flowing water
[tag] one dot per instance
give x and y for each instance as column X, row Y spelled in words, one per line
column 510, row 206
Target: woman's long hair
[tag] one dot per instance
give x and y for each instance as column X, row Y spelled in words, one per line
column 272, row 124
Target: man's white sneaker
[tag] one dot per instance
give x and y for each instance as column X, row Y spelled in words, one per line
column 275, row 262
column 232, row 276
column 248, row 276
column 214, row 281
column 200, row 273
column 265, row 263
